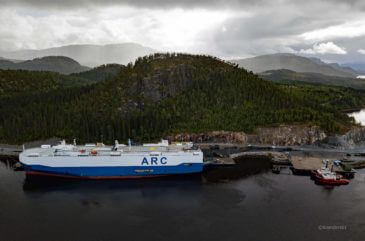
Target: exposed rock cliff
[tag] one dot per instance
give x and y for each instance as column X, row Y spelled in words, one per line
column 289, row 135
column 214, row 136
column 282, row 135
column 355, row 136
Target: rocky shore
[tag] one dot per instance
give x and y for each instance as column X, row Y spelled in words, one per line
column 284, row 135
column 265, row 143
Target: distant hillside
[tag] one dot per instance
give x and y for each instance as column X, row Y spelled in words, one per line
column 11, row 60
column 23, row 82
column 336, row 66
column 4, row 63
column 88, row 55
column 289, row 76
column 58, row 64
column 358, row 66
column 161, row 95
column 101, row 73
column 292, row 62
column 344, row 69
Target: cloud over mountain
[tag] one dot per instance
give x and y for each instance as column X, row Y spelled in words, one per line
column 331, row 29
column 324, row 48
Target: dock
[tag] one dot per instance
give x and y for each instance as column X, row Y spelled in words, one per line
column 279, row 158
column 10, row 150
column 219, row 162
column 305, row 165
column 276, row 158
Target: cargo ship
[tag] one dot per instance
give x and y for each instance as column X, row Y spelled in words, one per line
column 97, row 161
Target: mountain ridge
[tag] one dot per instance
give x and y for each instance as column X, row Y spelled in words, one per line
column 290, row 76
column 59, row 64
column 91, row 55
column 293, row 62
column 358, row 66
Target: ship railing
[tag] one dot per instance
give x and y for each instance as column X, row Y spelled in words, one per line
column 34, row 154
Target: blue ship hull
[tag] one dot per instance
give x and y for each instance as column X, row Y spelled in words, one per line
column 118, row 172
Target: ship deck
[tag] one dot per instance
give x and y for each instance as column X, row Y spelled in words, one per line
column 106, row 150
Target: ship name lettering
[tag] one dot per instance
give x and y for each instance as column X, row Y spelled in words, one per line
column 154, row 161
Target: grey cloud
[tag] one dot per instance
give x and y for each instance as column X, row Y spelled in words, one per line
column 352, row 46
column 278, row 29
column 359, row 4
column 271, row 26
column 210, row 4
column 269, row 31
column 66, row 4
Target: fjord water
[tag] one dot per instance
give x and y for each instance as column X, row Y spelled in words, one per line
column 263, row 206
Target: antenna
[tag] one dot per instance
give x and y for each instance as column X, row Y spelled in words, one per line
column 116, row 145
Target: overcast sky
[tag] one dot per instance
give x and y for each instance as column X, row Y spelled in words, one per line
column 333, row 30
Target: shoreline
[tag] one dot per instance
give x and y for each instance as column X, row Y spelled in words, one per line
column 230, row 154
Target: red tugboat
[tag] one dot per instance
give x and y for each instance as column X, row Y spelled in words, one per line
column 326, row 176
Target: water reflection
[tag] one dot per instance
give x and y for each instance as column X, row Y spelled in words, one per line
column 51, row 184
column 8, row 161
column 244, row 168
column 254, row 207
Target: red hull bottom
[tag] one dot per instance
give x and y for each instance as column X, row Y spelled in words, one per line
column 34, row 173
column 331, row 182
column 341, row 182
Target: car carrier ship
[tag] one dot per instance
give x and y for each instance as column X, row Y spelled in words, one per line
column 97, row 161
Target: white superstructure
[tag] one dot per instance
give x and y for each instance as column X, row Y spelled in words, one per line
column 98, row 160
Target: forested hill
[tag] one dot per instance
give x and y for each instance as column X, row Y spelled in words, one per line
column 100, row 73
column 289, row 76
column 158, row 95
column 23, row 82
column 59, row 64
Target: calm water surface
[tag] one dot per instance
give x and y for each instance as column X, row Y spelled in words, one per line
column 263, row 206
